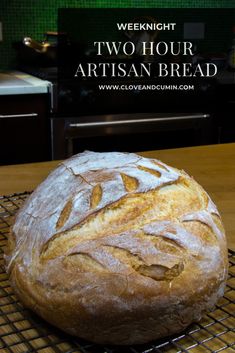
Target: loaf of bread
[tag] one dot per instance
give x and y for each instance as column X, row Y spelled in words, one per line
column 118, row 249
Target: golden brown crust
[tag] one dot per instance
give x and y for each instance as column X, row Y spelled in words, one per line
column 119, row 249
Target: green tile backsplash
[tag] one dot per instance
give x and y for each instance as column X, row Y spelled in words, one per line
column 34, row 17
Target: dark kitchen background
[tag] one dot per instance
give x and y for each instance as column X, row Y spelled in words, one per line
column 32, row 128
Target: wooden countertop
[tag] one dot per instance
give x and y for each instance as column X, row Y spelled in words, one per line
column 212, row 166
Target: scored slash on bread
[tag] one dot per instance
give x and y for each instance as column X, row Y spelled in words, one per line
column 117, row 248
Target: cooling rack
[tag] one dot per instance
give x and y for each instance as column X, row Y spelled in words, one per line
column 21, row 331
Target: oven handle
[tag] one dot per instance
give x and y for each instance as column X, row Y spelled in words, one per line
column 28, row 115
column 136, row 121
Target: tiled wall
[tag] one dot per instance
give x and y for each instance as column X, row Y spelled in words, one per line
column 33, row 17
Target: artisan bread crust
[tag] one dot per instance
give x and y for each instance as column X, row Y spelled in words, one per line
column 116, row 248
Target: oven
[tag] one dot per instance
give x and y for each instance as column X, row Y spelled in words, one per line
column 127, row 132
column 86, row 118
column 81, row 118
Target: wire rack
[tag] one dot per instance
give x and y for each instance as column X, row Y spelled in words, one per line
column 21, row 331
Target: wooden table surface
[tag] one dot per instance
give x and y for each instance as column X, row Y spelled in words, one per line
column 212, row 166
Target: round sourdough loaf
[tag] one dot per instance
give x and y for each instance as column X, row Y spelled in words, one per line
column 118, row 249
